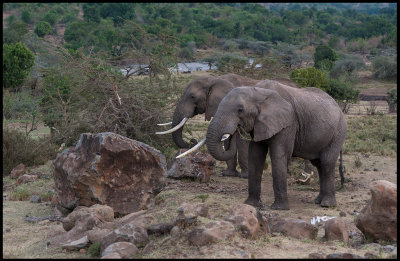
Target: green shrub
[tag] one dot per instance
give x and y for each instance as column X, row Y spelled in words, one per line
column 347, row 67
column 310, row 77
column 343, row 92
column 17, row 63
column 51, row 17
column 43, row 28
column 46, row 196
column 15, row 32
column 324, row 57
column 94, row 249
column 19, row 148
column 392, row 100
column 26, row 16
column 384, row 67
column 20, row 194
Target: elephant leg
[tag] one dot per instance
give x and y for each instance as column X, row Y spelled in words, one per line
column 243, row 150
column 317, row 164
column 231, row 166
column 280, row 157
column 326, row 172
column 257, row 154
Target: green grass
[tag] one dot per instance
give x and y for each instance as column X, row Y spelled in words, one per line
column 373, row 134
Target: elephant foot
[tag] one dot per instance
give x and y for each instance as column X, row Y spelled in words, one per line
column 257, row 203
column 325, row 201
column 230, row 173
column 244, row 174
column 328, row 201
column 280, row 205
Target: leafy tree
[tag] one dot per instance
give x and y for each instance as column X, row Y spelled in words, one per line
column 324, row 56
column 384, row 67
column 347, row 67
column 91, row 12
column 343, row 92
column 392, row 100
column 333, row 42
column 26, row 16
column 17, row 63
column 15, row 32
column 51, row 17
column 310, row 77
column 43, row 28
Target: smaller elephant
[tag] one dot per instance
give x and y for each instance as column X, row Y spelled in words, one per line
column 287, row 122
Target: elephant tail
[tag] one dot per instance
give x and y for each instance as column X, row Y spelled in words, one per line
column 341, row 169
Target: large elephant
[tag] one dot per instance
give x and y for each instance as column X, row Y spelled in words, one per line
column 203, row 95
column 289, row 122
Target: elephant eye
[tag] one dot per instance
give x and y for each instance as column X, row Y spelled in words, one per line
column 240, row 109
column 192, row 96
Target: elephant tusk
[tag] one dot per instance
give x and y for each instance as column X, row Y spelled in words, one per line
column 198, row 145
column 225, row 136
column 164, row 124
column 174, row 128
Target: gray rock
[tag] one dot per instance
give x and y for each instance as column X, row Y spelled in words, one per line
column 18, row 171
column 77, row 244
column 343, row 256
column 388, row 248
column 293, row 227
column 123, row 249
column 175, row 231
column 336, row 229
column 211, row 233
column 246, row 218
column 131, row 232
column 35, row 199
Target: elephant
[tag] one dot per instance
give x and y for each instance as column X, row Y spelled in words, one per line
column 288, row 122
column 203, row 95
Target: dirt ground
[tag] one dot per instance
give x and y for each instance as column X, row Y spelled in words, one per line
column 25, row 240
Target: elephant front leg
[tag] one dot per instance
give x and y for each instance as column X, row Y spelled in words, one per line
column 257, row 153
column 279, row 164
column 231, row 171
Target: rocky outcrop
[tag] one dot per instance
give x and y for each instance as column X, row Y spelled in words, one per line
column 109, row 169
column 296, row 228
column 378, row 219
column 197, row 165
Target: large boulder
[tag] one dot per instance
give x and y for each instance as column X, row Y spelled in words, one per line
column 109, row 169
column 197, row 165
column 378, row 219
column 336, row 229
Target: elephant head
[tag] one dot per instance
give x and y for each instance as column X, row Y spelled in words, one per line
column 200, row 96
column 260, row 112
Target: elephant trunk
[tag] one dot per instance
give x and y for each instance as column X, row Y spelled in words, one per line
column 216, row 131
column 177, row 135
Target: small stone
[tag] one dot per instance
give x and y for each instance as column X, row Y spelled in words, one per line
column 342, row 214
column 35, row 199
column 83, row 251
column 8, row 230
column 375, row 169
column 388, row 248
column 148, row 247
column 370, row 255
column 44, row 222
column 316, row 256
column 175, row 231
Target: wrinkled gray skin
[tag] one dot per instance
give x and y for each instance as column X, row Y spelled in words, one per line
column 289, row 122
column 203, row 95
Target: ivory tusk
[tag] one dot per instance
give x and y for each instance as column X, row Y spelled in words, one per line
column 174, row 128
column 164, row 124
column 198, row 145
column 225, row 136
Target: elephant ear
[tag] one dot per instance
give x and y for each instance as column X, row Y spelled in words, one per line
column 275, row 114
column 216, row 92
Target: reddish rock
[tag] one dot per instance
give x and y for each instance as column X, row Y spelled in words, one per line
column 196, row 165
column 26, row 178
column 131, row 232
column 296, row 228
column 97, row 235
column 245, row 217
column 109, row 169
column 18, row 171
column 336, row 229
column 211, row 233
column 199, row 209
column 379, row 218
column 98, row 213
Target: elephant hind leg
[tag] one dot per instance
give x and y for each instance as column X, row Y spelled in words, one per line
column 231, row 171
column 242, row 154
column 326, row 171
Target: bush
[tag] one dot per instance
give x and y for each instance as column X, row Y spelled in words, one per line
column 94, row 249
column 347, row 67
column 324, row 57
column 15, row 32
column 392, row 100
column 310, row 77
column 26, row 16
column 19, row 148
column 17, row 63
column 343, row 92
column 43, row 28
column 19, row 105
column 51, row 17
column 384, row 67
